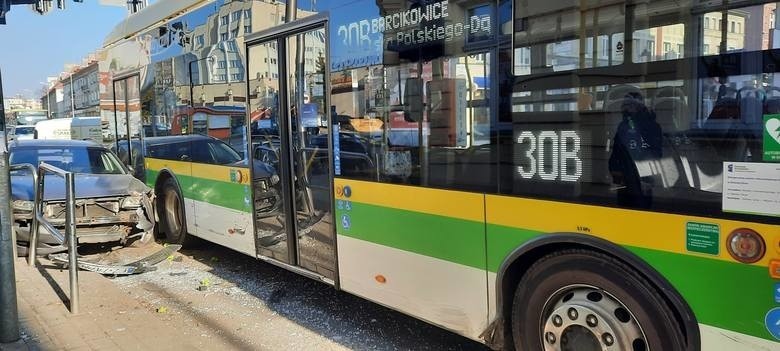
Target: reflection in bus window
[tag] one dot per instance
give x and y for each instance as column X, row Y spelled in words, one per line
column 652, row 132
column 552, row 40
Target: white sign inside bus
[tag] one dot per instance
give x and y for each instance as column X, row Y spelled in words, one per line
column 550, row 155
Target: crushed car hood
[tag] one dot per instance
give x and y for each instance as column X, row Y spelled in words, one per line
column 87, row 186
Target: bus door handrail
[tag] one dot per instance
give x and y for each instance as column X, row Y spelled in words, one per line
column 70, row 224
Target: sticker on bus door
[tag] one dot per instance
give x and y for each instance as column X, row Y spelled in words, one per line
column 336, row 151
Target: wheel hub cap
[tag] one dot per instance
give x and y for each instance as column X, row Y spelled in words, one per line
column 584, row 318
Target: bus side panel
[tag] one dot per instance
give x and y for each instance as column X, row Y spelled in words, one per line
column 729, row 299
column 420, row 251
column 223, row 203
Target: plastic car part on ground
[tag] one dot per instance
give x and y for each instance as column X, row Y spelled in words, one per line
column 145, row 264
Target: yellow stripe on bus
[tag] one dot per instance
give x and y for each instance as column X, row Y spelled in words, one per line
column 644, row 229
column 652, row 230
column 200, row 170
column 177, row 167
column 456, row 204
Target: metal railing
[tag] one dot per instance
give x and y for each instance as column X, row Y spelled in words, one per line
column 38, row 220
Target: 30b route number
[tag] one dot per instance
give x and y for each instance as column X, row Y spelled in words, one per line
column 561, row 147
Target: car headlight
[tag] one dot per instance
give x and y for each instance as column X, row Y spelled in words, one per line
column 274, row 179
column 23, row 205
column 133, row 201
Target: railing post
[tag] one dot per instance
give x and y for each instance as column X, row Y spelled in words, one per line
column 70, row 228
column 9, row 314
column 32, row 246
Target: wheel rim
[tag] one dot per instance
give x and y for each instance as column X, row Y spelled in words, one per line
column 586, row 318
column 172, row 212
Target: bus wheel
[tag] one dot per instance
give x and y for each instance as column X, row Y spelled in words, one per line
column 583, row 300
column 172, row 213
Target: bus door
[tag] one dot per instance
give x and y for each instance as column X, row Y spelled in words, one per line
column 290, row 146
column 127, row 126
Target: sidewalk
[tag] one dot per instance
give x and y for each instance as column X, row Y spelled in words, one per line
column 109, row 320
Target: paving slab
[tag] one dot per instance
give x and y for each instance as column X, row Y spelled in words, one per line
column 109, row 318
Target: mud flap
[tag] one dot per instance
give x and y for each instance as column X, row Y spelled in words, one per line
column 146, row 264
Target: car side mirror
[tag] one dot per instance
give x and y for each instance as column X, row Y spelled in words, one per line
column 130, row 169
column 184, row 158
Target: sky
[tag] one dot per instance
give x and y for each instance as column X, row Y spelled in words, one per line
column 33, row 47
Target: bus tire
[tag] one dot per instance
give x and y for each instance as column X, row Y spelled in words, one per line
column 585, row 300
column 171, row 212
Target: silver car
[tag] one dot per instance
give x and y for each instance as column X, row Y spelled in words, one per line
column 111, row 205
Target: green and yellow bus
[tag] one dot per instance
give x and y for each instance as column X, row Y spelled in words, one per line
column 557, row 175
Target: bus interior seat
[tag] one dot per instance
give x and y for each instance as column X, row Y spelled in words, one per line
column 726, row 105
column 669, row 92
column 751, row 105
column 772, row 102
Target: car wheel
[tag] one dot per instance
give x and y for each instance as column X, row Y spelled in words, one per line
column 171, row 213
column 583, row 300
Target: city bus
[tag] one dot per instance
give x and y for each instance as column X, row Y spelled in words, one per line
column 572, row 175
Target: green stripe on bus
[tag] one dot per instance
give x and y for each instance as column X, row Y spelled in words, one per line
column 450, row 239
column 228, row 195
column 723, row 294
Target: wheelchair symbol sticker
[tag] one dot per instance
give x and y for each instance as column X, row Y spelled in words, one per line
column 345, row 223
column 772, row 322
column 348, row 205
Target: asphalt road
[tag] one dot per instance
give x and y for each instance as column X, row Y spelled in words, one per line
column 250, row 304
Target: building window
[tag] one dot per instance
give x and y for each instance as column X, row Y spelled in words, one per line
column 706, row 23
column 235, row 63
column 223, row 36
column 234, row 33
column 231, row 46
column 273, row 61
column 199, row 40
column 739, row 27
column 223, row 21
column 247, row 28
column 235, row 77
column 247, row 14
column 706, row 49
column 235, row 16
column 221, row 64
column 220, row 77
column 733, row 26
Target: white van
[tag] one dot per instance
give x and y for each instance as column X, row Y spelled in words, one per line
column 76, row 128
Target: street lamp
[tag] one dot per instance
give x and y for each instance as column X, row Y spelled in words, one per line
column 189, row 73
column 48, row 100
column 72, row 98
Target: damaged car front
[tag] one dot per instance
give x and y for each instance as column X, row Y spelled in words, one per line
column 111, row 205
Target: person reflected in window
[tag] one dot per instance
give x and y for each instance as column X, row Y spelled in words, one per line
column 638, row 140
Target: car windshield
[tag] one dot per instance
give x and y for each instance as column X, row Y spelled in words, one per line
column 24, row 130
column 90, row 160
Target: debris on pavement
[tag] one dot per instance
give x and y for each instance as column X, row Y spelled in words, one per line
column 146, row 264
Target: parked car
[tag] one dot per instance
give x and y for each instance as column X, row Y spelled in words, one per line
column 24, row 132
column 111, row 205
